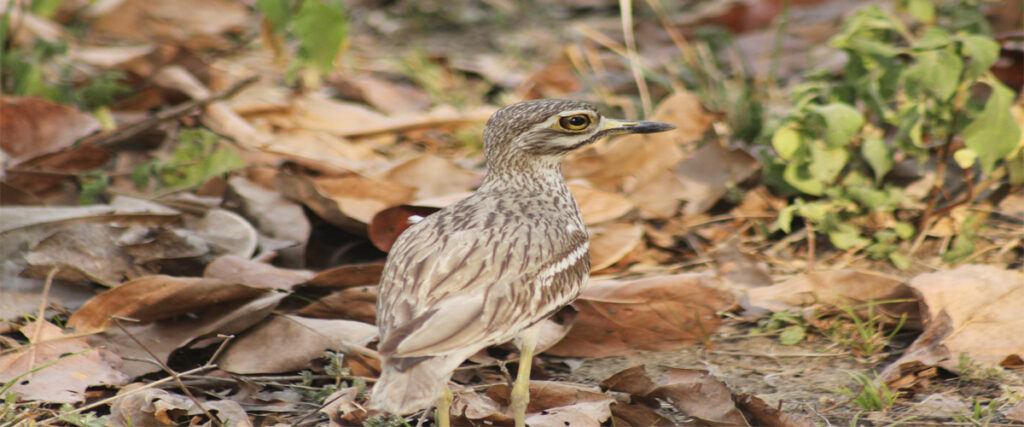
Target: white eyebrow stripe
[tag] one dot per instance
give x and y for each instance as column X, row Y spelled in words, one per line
column 575, row 112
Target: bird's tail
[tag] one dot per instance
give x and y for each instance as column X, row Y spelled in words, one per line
column 407, row 385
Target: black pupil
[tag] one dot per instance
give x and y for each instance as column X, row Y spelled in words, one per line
column 577, row 121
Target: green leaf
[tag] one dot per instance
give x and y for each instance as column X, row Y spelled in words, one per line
column 847, row 236
column 800, row 177
column 933, row 38
column 785, row 219
column 321, row 26
column 994, row 133
column 842, row 122
column 815, row 211
column 787, row 142
column 904, row 230
column 792, row 335
column 963, row 246
column 965, row 158
column 935, row 72
column 277, row 12
column 922, row 10
column 93, row 185
column 899, row 260
column 878, row 155
column 983, row 52
column 827, row 162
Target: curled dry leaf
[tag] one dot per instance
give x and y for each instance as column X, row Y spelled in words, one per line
column 551, row 404
column 34, row 126
column 358, row 303
column 385, row 95
column 840, row 288
column 609, row 243
column 307, row 340
column 657, row 313
column 973, row 310
column 709, row 172
column 154, row 406
column 431, row 176
column 341, row 408
column 694, row 393
column 599, row 206
column 254, row 273
column 388, row 224
column 347, row 276
column 227, row 231
column 348, row 202
column 66, row 366
column 157, row 297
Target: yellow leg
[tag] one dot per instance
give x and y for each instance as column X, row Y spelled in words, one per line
column 444, row 408
column 521, row 389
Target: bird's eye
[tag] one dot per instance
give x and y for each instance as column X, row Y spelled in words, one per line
column 575, row 123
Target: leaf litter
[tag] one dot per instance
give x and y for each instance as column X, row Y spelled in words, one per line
column 251, row 300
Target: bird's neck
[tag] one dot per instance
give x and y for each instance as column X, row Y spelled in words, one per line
column 535, row 176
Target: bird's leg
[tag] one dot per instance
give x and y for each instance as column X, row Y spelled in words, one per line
column 444, row 408
column 521, row 389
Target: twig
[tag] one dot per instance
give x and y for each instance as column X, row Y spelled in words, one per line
column 626, row 13
column 174, row 375
column 130, row 130
column 811, row 236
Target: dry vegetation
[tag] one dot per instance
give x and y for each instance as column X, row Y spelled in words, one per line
column 198, row 196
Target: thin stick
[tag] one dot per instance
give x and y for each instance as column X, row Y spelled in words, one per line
column 626, row 13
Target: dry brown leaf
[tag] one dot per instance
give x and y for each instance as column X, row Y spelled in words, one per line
column 431, row 176
column 87, row 251
column 973, row 310
column 348, row 202
column 610, row 242
column 694, row 393
column 317, row 111
column 199, row 329
column 839, row 288
column 741, row 269
column 254, row 273
column 154, row 406
column 385, row 95
column 226, row 231
column 35, row 188
column 272, row 214
column 307, row 340
column 761, row 414
column 158, row 297
column 657, row 313
column 708, row 173
column 358, row 303
column 551, row 404
column 34, row 126
column 108, row 57
column 341, row 408
column 65, row 380
column 388, row 224
column 660, row 196
column 599, row 206
column 347, row 276
column 196, row 24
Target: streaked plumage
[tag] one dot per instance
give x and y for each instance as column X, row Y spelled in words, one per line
column 480, row 271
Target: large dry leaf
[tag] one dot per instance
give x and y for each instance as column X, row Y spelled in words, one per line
column 599, row 206
column 347, row 276
column 431, row 176
column 307, row 339
column 65, row 380
column 197, row 24
column 973, row 310
column 348, row 202
column 227, row 231
column 91, row 252
column 273, row 215
column 657, row 313
column 158, row 297
column 36, row 126
column 154, row 406
column 385, row 95
column 317, row 111
column 358, row 303
column 609, row 243
column 694, row 393
column 163, row 337
column 709, row 172
column 388, row 224
column 551, row 404
column 838, row 288
column 254, row 273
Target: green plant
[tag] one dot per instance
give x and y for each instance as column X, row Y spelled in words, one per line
column 907, row 91
column 198, row 158
column 865, row 336
column 874, row 394
column 319, row 26
column 790, row 326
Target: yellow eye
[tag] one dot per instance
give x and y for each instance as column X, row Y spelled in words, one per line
column 575, row 122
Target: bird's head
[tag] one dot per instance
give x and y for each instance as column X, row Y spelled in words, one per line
column 549, row 129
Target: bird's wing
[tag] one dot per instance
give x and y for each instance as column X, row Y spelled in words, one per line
column 444, row 290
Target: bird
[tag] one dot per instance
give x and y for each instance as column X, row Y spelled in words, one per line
column 489, row 268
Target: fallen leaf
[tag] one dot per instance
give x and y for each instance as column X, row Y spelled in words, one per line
column 431, row 176
column 347, row 276
column 308, row 339
column 972, row 310
column 708, row 173
column 254, row 273
column 157, row 297
column 272, row 214
column 657, row 313
column 347, row 202
column 599, row 206
column 36, row 126
column 385, row 95
column 694, row 393
column 761, row 414
column 197, row 24
column 551, row 404
column 358, row 303
column 388, row 224
column 57, row 380
column 226, row 231
column 341, row 408
column 154, row 406
column 610, row 242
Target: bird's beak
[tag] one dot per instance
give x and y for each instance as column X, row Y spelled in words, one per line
column 621, row 127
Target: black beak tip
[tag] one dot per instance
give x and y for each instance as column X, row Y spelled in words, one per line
column 651, row 127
